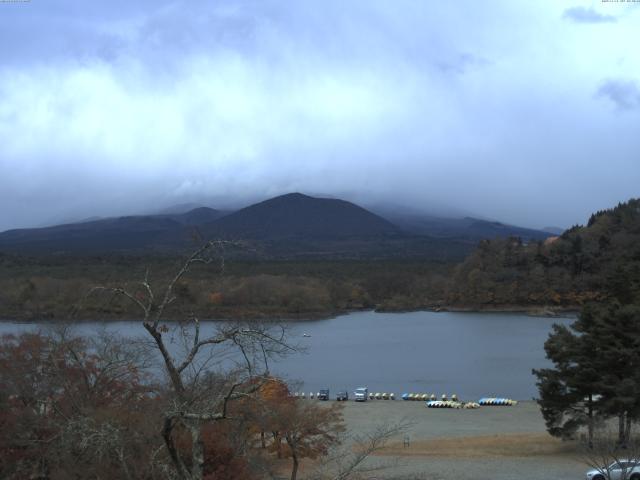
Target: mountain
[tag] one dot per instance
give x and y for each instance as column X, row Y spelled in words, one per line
column 302, row 227
column 177, row 209
column 301, row 216
column 467, row 228
column 197, row 216
column 288, row 226
column 292, row 224
column 121, row 234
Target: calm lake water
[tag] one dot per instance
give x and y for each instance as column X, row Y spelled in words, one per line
column 470, row 354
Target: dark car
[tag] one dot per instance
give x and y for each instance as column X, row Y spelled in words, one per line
column 342, row 396
column 323, row 394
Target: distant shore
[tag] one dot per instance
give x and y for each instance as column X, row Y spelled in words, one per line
column 530, row 310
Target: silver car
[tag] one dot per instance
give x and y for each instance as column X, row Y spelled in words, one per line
column 361, row 394
column 621, row 470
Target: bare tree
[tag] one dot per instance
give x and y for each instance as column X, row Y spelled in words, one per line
column 349, row 462
column 197, row 395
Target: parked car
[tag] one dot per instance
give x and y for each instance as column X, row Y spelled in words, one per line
column 342, row 396
column 361, row 394
column 622, row 470
column 323, row 394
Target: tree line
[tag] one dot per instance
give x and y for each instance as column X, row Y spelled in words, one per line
column 571, row 270
column 32, row 288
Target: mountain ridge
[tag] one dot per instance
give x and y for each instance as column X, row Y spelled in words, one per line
column 299, row 215
column 469, row 228
column 293, row 224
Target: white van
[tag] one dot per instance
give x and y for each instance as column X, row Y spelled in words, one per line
column 361, row 394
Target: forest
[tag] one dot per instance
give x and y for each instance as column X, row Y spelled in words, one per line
column 55, row 289
column 580, row 265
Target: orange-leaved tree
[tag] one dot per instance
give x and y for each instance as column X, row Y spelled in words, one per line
column 310, row 430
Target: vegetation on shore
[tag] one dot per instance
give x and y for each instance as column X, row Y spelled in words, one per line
column 571, row 270
column 31, row 288
column 558, row 274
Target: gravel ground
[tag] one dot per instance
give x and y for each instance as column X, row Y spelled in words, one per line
column 518, row 445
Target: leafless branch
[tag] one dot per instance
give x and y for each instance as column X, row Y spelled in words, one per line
column 204, row 396
column 611, row 459
column 349, row 461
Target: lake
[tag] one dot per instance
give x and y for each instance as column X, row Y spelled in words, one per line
column 470, row 354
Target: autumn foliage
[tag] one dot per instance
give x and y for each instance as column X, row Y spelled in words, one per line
column 69, row 404
column 73, row 407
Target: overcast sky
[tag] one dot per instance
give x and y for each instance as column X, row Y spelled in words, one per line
column 526, row 112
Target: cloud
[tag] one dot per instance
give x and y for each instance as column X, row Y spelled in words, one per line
column 463, row 63
column 587, row 15
column 625, row 94
column 121, row 107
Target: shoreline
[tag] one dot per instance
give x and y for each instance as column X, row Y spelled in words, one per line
column 530, row 310
column 538, row 311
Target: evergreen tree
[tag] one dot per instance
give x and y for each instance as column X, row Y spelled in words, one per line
column 596, row 372
column 569, row 392
column 617, row 330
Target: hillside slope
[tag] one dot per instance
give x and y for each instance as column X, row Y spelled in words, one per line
column 120, row 234
column 584, row 263
column 467, row 228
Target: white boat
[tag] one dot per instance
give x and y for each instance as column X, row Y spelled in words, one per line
column 306, row 335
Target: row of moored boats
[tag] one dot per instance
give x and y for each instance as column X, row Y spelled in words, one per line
column 430, row 399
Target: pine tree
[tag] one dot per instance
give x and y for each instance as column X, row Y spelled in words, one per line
column 617, row 329
column 569, row 392
column 596, row 372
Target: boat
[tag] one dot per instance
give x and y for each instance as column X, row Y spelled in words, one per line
column 306, row 335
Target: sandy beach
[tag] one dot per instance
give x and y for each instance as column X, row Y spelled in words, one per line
column 502, row 443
